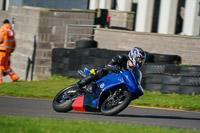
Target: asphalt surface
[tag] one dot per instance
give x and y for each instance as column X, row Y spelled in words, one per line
column 132, row 115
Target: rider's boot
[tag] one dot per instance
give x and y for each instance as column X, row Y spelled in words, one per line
column 85, row 81
column 80, row 86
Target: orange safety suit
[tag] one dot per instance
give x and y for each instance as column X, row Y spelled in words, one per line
column 7, row 46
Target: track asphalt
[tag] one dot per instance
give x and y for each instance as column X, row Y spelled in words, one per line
column 132, row 115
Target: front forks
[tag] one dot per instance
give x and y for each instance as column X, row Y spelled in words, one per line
column 116, row 97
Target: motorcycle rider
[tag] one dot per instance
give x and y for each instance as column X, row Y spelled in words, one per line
column 119, row 63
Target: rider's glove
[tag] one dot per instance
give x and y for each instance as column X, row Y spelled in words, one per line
column 92, row 72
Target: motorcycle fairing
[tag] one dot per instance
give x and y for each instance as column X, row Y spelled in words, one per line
column 114, row 79
column 78, row 104
column 90, row 101
column 110, row 81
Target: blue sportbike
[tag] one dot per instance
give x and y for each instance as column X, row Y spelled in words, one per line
column 109, row 95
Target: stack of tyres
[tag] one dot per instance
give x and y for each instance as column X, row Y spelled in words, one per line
column 166, row 59
column 171, row 79
column 154, row 71
column 190, row 80
column 152, row 74
column 67, row 62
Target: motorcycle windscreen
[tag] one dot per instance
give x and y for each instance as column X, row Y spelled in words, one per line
column 130, row 81
column 78, row 104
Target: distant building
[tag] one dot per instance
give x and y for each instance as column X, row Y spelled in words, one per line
column 56, row 4
column 158, row 16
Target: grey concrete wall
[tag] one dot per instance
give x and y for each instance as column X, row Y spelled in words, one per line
column 53, row 33
column 3, row 15
column 187, row 47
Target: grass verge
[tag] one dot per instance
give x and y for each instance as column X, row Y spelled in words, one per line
column 173, row 101
column 49, row 88
column 36, row 89
column 18, row 124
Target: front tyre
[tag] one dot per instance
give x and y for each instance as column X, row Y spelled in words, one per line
column 64, row 99
column 116, row 102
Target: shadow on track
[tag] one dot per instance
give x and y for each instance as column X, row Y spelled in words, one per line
column 156, row 117
column 138, row 116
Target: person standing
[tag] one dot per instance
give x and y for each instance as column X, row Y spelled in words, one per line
column 7, row 46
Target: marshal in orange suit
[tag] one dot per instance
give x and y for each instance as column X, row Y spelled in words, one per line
column 7, row 46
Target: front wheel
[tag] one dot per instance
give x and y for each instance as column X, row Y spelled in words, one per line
column 64, row 99
column 116, row 102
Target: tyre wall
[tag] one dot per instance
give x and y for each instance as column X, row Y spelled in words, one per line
column 160, row 72
column 171, row 78
column 67, row 62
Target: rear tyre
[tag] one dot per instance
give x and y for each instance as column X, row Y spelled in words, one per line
column 64, row 99
column 116, row 102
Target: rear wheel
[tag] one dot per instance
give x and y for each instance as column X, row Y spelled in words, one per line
column 117, row 101
column 64, row 99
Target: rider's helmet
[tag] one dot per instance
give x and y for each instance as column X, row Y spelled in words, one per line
column 136, row 53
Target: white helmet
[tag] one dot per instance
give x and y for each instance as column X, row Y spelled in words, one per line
column 137, row 53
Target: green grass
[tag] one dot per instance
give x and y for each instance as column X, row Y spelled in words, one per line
column 49, row 88
column 175, row 101
column 18, row 124
column 37, row 89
